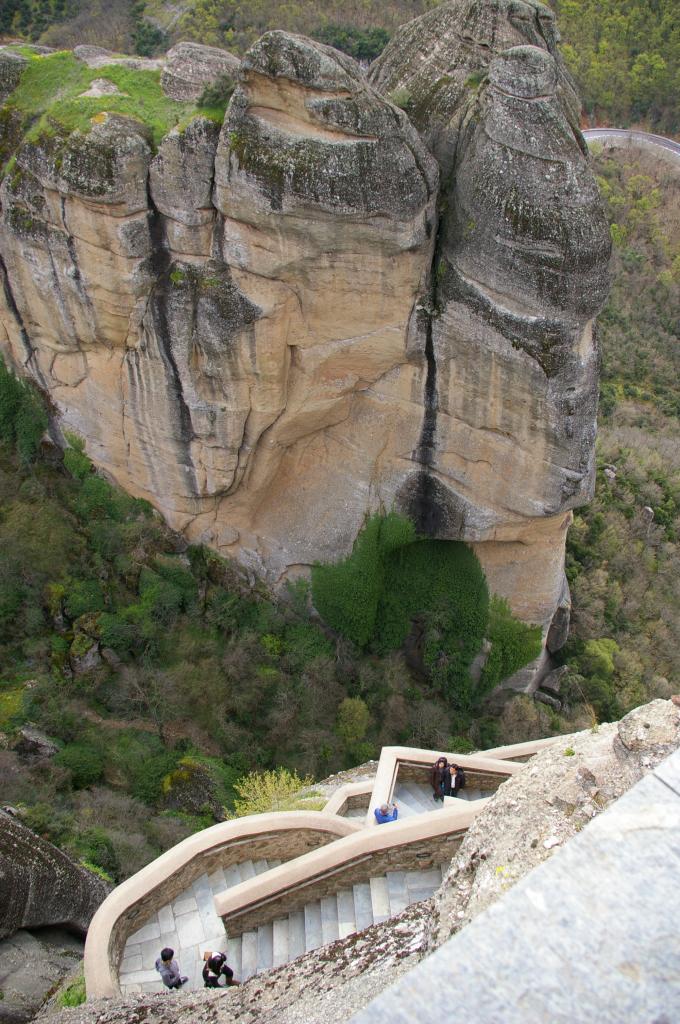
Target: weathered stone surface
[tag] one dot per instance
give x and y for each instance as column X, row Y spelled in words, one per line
column 180, row 183
column 11, row 66
column 98, row 57
column 32, row 742
column 40, row 885
column 247, row 329
column 653, row 729
column 31, row 965
column 190, row 67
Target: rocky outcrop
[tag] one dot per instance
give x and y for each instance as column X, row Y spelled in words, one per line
column 190, row 67
column 31, row 966
column 273, row 329
column 40, row 884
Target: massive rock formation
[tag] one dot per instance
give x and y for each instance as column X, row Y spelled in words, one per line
column 40, row 885
column 318, row 311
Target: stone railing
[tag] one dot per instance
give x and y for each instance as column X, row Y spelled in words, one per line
column 281, row 836
column 418, row 843
column 522, row 751
column 349, row 797
column 413, row 764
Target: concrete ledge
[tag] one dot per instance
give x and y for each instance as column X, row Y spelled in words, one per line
column 349, row 796
column 126, row 909
column 483, row 772
column 589, row 937
column 420, row 842
column 523, row 751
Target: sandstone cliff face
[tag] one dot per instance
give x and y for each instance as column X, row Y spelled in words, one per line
column 272, row 329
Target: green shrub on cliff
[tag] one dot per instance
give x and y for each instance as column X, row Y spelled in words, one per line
column 392, row 580
column 50, row 98
column 347, row 595
column 513, row 644
column 23, row 419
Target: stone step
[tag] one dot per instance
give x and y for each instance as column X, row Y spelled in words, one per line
column 248, row 954
column 347, row 924
column 259, row 866
column 296, row 934
column 380, row 900
column 363, row 907
column 329, row 919
column 397, row 892
column 313, row 933
column 280, row 948
column 265, row 946
column 246, row 870
column 234, row 957
column 232, row 876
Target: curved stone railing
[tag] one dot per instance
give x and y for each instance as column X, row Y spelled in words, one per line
column 416, row 844
column 282, row 835
column 413, row 764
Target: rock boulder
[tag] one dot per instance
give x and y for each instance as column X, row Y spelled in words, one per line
column 40, row 884
column 190, row 67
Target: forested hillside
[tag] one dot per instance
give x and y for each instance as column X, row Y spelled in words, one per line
column 623, row 557
column 624, row 54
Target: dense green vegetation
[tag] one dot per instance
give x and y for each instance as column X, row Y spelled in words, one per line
column 395, row 582
column 162, row 675
column 625, row 57
column 623, row 553
column 49, row 97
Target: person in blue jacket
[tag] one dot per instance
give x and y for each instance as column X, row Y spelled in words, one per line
column 385, row 813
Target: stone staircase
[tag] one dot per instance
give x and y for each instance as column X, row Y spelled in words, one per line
column 189, row 925
column 416, row 798
column 333, row 917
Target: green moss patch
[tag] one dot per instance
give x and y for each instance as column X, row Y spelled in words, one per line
column 396, row 584
column 49, row 97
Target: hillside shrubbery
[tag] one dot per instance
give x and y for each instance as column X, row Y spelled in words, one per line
column 394, row 579
column 623, row 553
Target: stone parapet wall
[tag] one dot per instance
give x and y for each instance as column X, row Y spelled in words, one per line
column 282, row 836
column 416, row 844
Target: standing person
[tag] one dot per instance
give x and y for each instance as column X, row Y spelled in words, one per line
column 438, row 778
column 454, row 781
column 216, row 967
column 168, row 968
column 385, row 813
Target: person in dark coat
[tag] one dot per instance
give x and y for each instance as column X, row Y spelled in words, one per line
column 438, row 778
column 215, row 968
column 454, row 780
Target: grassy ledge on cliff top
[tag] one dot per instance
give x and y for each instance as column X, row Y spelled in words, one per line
column 49, row 96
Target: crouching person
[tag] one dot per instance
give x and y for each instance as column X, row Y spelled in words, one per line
column 385, row 813
column 215, row 968
column 168, row 968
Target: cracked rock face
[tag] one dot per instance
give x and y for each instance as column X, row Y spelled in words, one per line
column 330, row 307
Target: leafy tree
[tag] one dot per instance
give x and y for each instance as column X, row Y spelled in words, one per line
column 276, row 790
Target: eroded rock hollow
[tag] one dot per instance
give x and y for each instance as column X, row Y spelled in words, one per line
column 331, row 305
